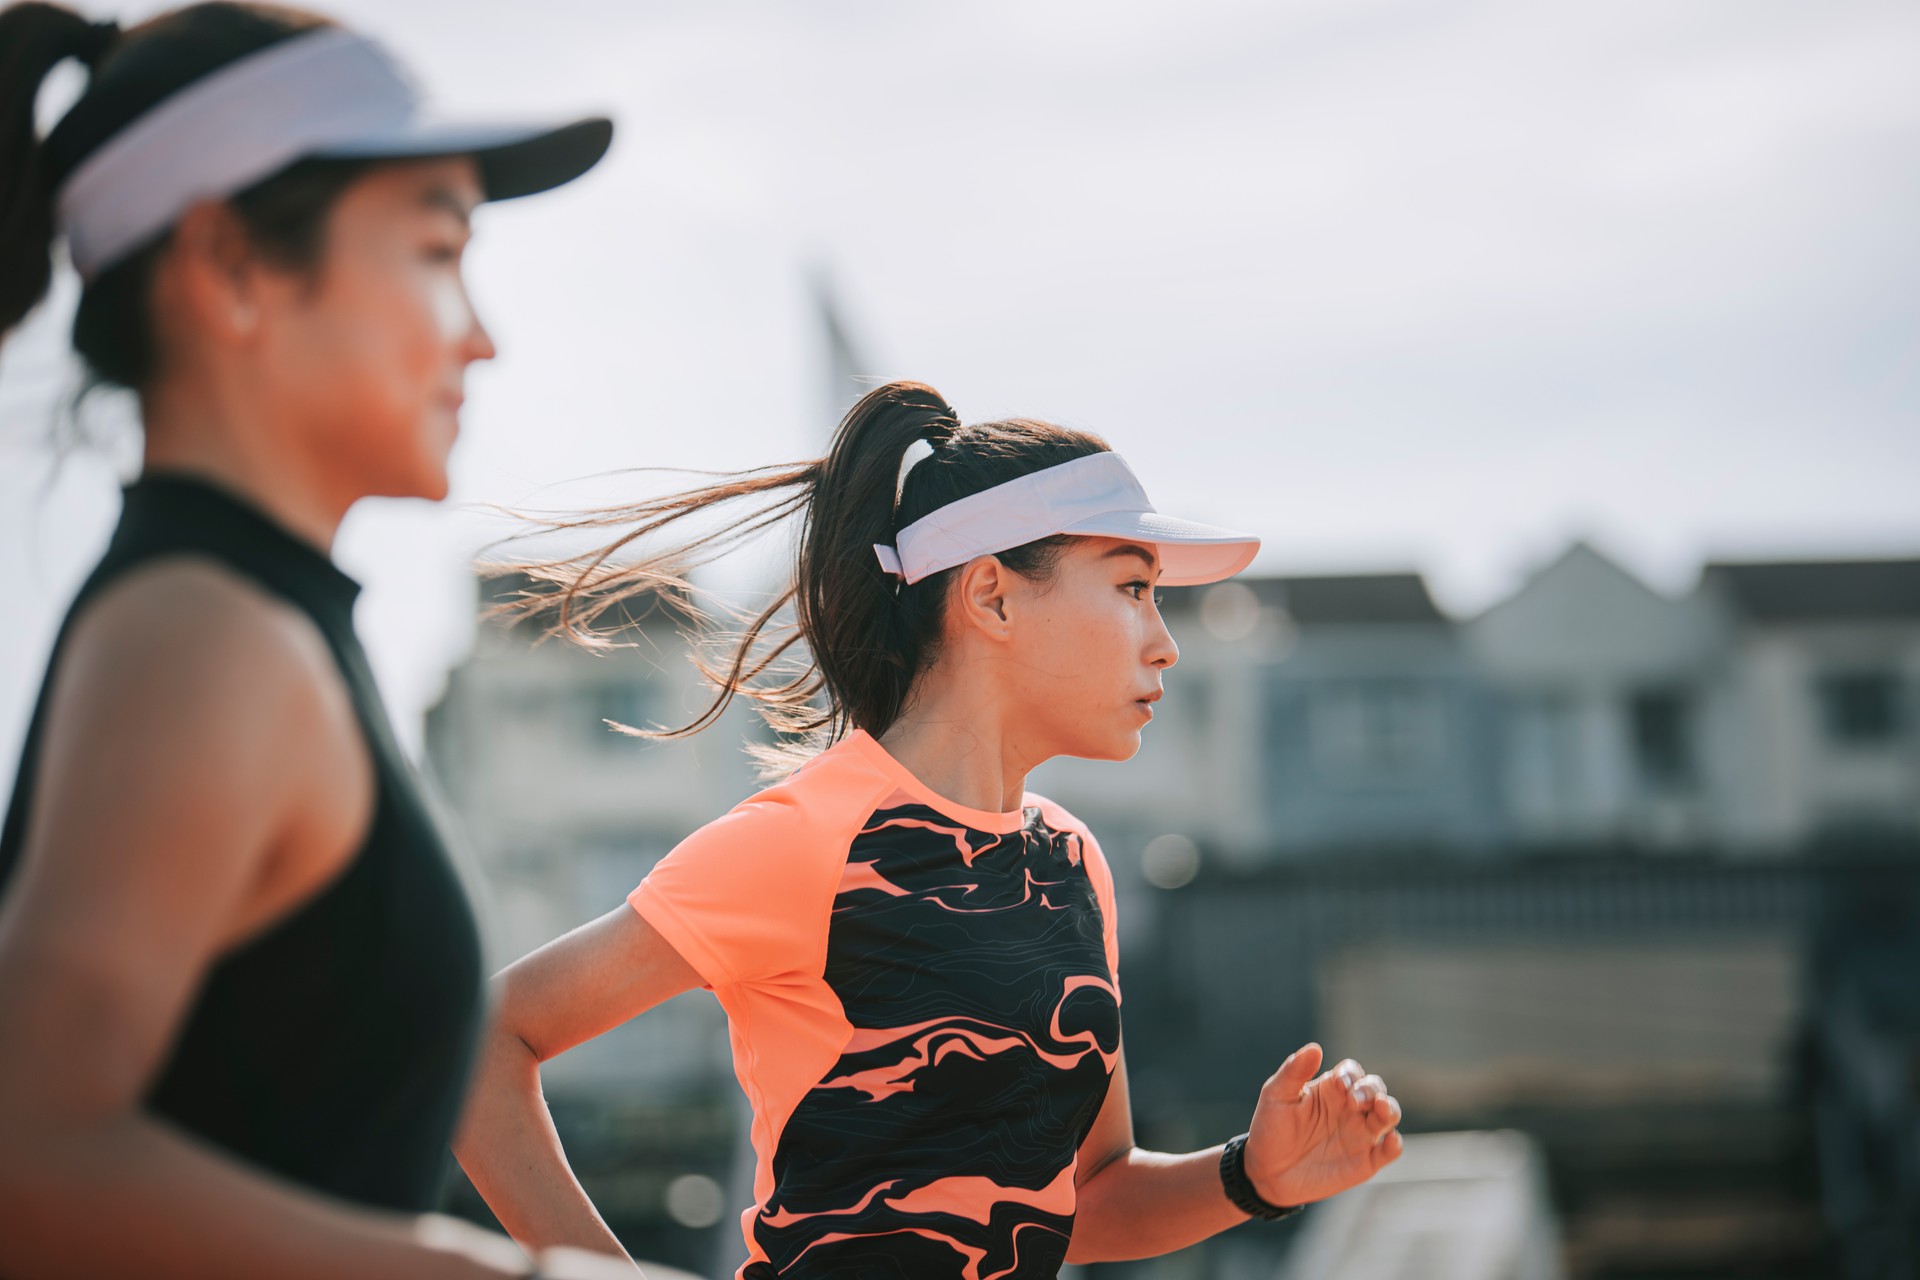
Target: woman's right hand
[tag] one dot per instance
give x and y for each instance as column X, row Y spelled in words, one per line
column 570, row 990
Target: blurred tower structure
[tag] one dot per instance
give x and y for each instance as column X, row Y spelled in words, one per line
column 843, row 365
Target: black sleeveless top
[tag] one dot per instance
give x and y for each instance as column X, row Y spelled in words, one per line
column 333, row 1049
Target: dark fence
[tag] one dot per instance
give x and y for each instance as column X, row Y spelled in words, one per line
column 1782, row 976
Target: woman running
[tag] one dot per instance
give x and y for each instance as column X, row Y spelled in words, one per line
column 916, row 955
column 240, row 986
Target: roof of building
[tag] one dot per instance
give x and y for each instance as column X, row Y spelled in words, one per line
column 1820, row 590
column 1343, row 599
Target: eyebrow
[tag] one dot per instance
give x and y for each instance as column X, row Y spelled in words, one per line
column 446, row 198
column 1133, row 549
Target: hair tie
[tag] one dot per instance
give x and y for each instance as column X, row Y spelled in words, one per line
column 941, row 433
column 101, row 37
column 910, row 457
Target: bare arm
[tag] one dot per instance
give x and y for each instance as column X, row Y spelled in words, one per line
column 1311, row 1138
column 568, row 991
column 200, row 777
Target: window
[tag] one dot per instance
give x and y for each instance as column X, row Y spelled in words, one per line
column 1662, row 736
column 1374, row 729
column 1543, row 763
column 1861, row 708
column 624, row 703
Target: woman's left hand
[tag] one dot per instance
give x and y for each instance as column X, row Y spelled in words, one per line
column 1313, row 1137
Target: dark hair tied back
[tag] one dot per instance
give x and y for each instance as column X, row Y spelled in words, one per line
column 867, row 638
column 101, row 37
column 133, row 71
column 34, row 39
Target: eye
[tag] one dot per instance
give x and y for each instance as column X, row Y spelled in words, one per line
column 1140, row 589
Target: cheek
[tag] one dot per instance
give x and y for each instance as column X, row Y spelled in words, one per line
column 447, row 305
column 1090, row 646
column 369, row 361
column 402, row 342
column 392, row 360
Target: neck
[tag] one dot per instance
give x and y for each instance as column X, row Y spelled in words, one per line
column 209, row 437
column 958, row 740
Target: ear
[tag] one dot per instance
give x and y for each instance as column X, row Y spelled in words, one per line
column 214, row 273
column 980, row 597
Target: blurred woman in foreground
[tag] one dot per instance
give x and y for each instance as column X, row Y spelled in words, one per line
column 917, row 956
column 240, row 985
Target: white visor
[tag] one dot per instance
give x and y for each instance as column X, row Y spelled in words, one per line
column 1097, row 496
column 327, row 93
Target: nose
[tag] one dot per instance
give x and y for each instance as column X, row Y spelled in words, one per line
column 1161, row 651
column 479, row 343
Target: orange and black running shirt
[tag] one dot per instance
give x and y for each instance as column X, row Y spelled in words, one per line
column 924, row 1012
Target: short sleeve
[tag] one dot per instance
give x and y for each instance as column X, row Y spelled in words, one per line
column 1102, row 877
column 1098, row 873
column 748, row 897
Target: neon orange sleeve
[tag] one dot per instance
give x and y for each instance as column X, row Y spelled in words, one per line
column 1097, row 871
column 748, row 897
column 1102, row 877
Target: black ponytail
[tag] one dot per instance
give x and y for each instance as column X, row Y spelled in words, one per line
column 34, row 39
column 867, row 636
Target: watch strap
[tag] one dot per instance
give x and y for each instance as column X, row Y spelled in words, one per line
column 1239, row 1187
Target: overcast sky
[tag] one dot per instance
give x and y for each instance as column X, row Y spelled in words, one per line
column 1394, row 284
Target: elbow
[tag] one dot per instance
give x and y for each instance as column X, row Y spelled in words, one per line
column 1087, row 1246
column 508, row 1038
column 1091, row 1240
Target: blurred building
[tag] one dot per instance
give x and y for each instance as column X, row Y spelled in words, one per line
column 1824, row 663
column 1306, row 715
column 564, row 814
column 1585, row 865
column 1586, row 711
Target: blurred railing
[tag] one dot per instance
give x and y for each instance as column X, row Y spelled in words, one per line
column 1658, row 1024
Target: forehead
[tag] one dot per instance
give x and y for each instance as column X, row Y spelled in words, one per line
column 1121, row 553
column 444, row 184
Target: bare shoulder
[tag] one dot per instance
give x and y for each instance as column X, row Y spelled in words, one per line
column 190, row 700
column 191, row 616
column 199, row 776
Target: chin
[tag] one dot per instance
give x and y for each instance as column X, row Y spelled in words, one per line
column 423, row 477
column 1124, row 746
column 430, row 488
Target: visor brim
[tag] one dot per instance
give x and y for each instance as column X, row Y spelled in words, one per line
column 1191, row 554
column 514, row 160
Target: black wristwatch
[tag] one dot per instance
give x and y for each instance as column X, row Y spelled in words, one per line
column 1239, row 1187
